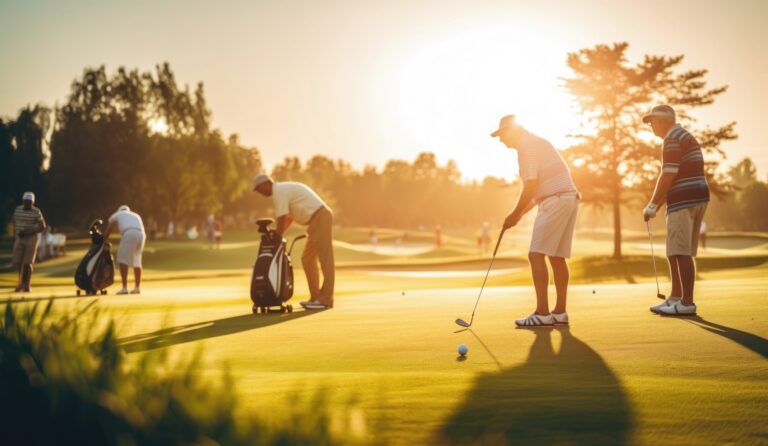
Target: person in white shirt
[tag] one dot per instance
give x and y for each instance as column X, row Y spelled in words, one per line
column 132, row 239
column 547, row 183
column 297, row 202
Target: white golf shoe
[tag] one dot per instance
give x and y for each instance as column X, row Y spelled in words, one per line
column 670, row 300
column 560, row 318
column 314, row 305
column 123, row 291
column 536, row 320
column 678, row 309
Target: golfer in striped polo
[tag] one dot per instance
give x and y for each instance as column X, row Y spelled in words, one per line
column 28, row 221
column 683, row 186
column 547, row 183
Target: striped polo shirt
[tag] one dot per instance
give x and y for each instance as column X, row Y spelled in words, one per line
column 681, row 155
column 26, row 218
column 538, row 160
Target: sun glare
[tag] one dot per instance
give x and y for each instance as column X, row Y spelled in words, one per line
column 158, row 125
column 450, row 94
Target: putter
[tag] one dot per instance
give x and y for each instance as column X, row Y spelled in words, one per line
column 653, row 258
column 461, row 322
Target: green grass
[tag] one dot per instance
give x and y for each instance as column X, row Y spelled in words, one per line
column 619, row 375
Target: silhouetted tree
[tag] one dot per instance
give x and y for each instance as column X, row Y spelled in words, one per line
column 22, row 158
column 613, row 165
column 107, row 150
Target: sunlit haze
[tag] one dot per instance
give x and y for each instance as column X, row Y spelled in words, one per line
column 372, row 81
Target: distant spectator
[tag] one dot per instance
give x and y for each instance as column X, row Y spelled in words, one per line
column 153, row 229
column 218, row 232
column 438, row 236
column 485, row 235
column 209, row 222
column 170, row 232
column 703, row 235
column 372, row 237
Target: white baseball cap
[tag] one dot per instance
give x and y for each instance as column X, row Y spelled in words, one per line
column 660, row 111
column 123, row 208
column 258, row 180
column 28, row 196
column 505, row 123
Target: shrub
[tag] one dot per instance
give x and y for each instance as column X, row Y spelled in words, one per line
column 64, row 381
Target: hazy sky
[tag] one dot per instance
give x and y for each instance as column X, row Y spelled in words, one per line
column 369, row 81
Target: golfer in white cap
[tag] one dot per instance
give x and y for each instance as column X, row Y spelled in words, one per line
column 132, row 239
column 28, row 221
column 297, row 202
column 547, row 183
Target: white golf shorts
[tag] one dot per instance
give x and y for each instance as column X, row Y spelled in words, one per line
column 131, row 246
column 554, row 225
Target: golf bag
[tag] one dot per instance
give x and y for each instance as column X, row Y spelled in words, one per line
column 272, row 278
column 97, row 269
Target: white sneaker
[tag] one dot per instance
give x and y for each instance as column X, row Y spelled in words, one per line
column 560, row 318
column 123, row 291
column 670, row 301
column 679, row 309
column 314, row 305
column 135, row 291
column 536, row 320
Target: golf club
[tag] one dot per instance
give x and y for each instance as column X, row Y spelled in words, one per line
column 653, row 258
column 461, row 322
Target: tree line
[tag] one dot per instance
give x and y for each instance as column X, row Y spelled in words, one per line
column 141, row 139
column 129, row 137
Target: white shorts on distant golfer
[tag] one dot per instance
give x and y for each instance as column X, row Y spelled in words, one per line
column 555, row 222
column 131, row 246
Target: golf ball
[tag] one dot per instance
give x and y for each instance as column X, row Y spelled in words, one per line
column 463, row 349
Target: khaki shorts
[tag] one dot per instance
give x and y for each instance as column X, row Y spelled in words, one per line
column 24, row 250
column 131, row 246
column 554, row 225
column 683, row 228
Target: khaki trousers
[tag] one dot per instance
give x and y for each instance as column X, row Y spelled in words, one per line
column 319, row 247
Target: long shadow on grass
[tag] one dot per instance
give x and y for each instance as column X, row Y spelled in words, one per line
column 181, row 334
column 23, row 299
column 751, row 341
column 571, row 397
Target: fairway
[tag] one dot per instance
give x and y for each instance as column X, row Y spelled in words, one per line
column 386, row 354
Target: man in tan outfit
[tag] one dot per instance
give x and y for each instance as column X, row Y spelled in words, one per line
column 28, row 221
column 297, row 202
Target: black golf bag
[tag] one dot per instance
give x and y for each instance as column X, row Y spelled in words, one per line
column 272, row 278
column 97, row 269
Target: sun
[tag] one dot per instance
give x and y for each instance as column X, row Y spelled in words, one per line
column 158, row 125
column 450, row 94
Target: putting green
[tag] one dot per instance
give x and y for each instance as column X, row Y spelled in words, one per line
column 619, row 375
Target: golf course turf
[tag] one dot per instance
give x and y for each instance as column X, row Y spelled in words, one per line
column 617, row 375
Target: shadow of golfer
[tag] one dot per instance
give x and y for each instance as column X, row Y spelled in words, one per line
column 181, row 334
column 751, row 341
column 567, row 398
